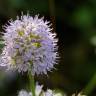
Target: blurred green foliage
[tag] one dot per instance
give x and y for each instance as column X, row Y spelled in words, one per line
column 75, row 23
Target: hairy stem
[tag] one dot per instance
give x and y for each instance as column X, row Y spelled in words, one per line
column 31, row 83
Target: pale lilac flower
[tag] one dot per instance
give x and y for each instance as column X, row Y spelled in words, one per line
column 49, row 93
column 40, row 92
column 38, row 89
column 29, row 45
column 24, row 93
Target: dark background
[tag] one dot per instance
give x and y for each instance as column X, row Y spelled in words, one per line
column 74, row 21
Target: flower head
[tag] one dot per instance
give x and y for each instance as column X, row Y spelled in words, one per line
column 24, row 93
column 40, row 92
column 29, row 45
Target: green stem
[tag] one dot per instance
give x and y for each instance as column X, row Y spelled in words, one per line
column 31, row 83
column 91, row 85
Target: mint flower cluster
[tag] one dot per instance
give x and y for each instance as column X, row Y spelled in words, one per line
column 40, row 92
column 29, row 45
